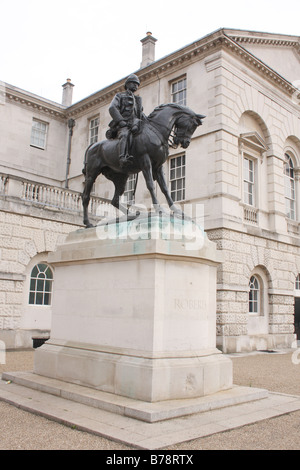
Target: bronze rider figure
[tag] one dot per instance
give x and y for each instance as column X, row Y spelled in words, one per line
column 126, row 111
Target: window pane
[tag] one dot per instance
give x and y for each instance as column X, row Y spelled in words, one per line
column 47, row 298
column 42, row 267
column 48, row 285
column 49, row 273
column 40, row 285
column 34, row 272
column 39, row 298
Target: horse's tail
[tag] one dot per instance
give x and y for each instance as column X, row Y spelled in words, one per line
column 85, row 159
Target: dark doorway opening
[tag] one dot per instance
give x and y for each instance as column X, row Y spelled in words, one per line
column 297, row 317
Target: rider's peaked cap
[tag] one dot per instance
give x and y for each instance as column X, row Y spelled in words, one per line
column 132, row 78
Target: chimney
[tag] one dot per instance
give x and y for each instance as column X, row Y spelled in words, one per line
column 67, row 93
column 148, row 50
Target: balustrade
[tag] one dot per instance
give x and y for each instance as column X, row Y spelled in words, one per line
column 250, row 215
column 52, row 196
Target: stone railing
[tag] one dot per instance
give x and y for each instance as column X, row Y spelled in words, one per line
column 52, row 196
column 250, row 215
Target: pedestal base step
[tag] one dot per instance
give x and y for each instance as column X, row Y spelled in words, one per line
column 137, row 409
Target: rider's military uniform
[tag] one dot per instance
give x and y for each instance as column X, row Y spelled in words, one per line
column 126, row 111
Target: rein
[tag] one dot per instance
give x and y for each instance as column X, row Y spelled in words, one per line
column 157, row 132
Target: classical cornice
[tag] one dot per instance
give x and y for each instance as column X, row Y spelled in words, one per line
column 29, row 100
column 269, row 39
column 222, row 39
column 97, row 99
column 256, row 64
column 158, row 69
column 189, row 54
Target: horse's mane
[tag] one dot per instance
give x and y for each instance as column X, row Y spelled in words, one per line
column 161, row 107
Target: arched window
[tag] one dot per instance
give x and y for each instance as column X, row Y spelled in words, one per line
column 289, row 187
column 254, row 295
column 40, row 285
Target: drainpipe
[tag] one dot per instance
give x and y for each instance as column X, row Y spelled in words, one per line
column 71, row 124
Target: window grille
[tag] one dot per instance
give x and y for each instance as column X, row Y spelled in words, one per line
column 254, row 295
column 41, row 280
column 289, row 187
column 179, row 92
column 129, row 189
column 39, row 132
column 177, row 178
column 94, row 130
column 249, row 182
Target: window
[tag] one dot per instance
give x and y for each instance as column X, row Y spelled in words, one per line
column 40, row 285
column 179, row 92
column 249, row 182
column 93, row 130
column 297, row 282
column 177, row 178
column 39, row 134
column 129, row 189
column 289, row 187
column 254, row 295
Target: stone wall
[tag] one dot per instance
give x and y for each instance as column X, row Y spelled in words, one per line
column 25, row 238
column 277, row 264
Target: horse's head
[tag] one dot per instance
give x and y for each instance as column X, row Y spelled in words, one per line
column 185, row 126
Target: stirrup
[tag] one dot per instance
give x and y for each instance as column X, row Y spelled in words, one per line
column 126, row 160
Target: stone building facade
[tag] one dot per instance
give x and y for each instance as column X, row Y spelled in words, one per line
column 242, row 168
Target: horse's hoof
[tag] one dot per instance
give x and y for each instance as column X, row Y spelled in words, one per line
column 133, row 216
column 89, row 226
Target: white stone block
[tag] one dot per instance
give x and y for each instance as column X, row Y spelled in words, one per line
column 135, row 317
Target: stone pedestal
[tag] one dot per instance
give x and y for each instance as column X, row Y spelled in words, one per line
column 134, row 312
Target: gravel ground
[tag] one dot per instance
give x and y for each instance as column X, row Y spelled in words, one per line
column 20, row 430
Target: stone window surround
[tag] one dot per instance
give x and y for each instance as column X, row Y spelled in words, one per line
column 252, row 147
column 263, row 299
column 254, row 295
column 129, row 189
column 42, row 131
column 93, row 123
column 292, row 153
column 175, row 93
column 41, row 277
column 182, row 177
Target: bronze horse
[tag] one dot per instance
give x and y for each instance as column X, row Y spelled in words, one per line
column 149, row 148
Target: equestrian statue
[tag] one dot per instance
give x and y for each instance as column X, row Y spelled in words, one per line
column 137, row 143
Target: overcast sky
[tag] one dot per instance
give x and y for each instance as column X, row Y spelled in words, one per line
column 97, row 42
